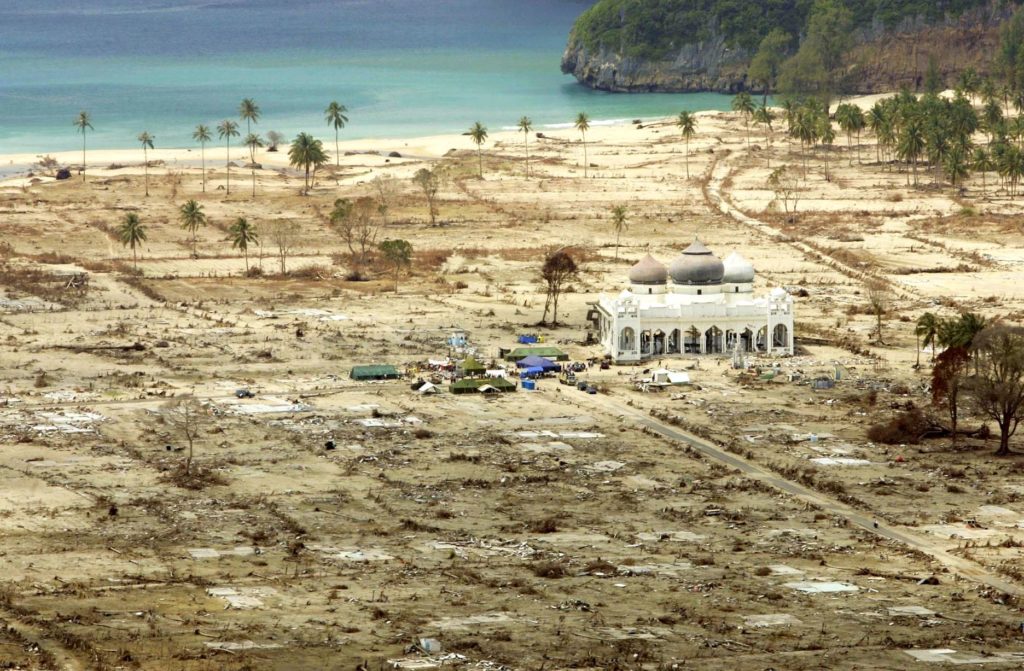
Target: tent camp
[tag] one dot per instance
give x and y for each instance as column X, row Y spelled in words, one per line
column 470, row 367
column 546, row 365
column 375, row 372
column 546, row 352
column 472, row 386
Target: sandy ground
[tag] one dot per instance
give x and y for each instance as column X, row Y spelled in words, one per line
column 545, row 530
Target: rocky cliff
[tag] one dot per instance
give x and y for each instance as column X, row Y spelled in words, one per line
column 883, row 59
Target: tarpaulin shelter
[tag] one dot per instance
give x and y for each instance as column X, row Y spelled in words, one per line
column 547, row 365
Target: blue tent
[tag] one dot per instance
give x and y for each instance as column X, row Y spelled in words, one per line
column 547, row 365
column 532, row 371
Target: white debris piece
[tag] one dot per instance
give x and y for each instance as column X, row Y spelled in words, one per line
column 670, row 536
column 948, row 656
column 771, row 620
column 824, row 587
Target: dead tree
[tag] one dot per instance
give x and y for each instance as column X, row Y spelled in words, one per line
column 187, row 418
column 284, row 234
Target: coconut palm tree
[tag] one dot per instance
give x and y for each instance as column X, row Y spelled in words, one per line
column 911, row 143
column 687, row 124
column 583, row 125
column 226, row 130
column 618, row 224
column 926, row 330
column 147, row 143
column 242, row 235
column 764, row 116
column 202, row 135
column 132, row 234
column 827, row 136
column 191, row 216
column 478, row 133
column 249, row 112
column 981, row 161
column 878, row 120
column 83, row 122
column 335, row 117
column 526, row 125
column 956, row 165
column 308, row 153
column 744, row 104
column 850, row 120
column 253, row 142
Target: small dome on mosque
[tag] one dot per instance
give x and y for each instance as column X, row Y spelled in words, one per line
column 697, row 265
column 737, row 270
column 648, row 271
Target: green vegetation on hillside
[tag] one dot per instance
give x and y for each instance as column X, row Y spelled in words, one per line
column 656, row 28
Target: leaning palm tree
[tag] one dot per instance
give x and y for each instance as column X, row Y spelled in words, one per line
column 478, row 133
column 242, row 235
column 191, row 216
column 253, row 142
column 147, row 143
column 226, row 130
column 911, row 144
column 83, row 122
column 249, row 112
column 583, row 125
column 202, row 135
column 132, row 234
column 526, row 125
column 619, row 225
column 687, row 124
column 336, row 119
column 306, row 152
column 927, row 331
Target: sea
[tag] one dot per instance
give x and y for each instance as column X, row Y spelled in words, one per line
column 403, row 68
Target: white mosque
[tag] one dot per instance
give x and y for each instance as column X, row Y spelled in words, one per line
column 698, row 305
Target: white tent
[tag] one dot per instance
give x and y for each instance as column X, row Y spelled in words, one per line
column 428, row 388
column 665, row 376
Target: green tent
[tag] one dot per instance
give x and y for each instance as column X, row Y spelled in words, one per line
column 520, row 353
column 472, row 386
column 375, row 372
column 471, row 366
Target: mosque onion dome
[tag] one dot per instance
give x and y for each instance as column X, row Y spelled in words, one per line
column 648, row 271
column 697, row 265
column 738, row 270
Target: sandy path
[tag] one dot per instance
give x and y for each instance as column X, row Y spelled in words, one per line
column 719, row 199
column 964, row 568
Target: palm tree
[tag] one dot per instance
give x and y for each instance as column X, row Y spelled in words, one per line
column 981, row 161
column 878, row 122
column 132, row 233
column 83, row 122
column 335, row 117
column 619, row 224
column 478, row 133
column 744, row 104
column 191, row 216
column 764, row 116
column 851, row 120
column 687, row 124
column 249, row 112
column 911, row 144
column 242, row 235
column 147, row 143
column 306, row 152
column 926, row 330
column 254, row 142
column 202, row 135
column 583, row 125
column 805, row 127
column 526, row 125
column 827, row 137
column 956, row 165
column 226, row 130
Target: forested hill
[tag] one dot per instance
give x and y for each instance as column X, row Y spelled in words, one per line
column 693, row 45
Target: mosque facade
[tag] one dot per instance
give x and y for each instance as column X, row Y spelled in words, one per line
column 697, row 305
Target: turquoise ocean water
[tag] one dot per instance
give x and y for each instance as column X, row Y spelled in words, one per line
column 403, row 67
